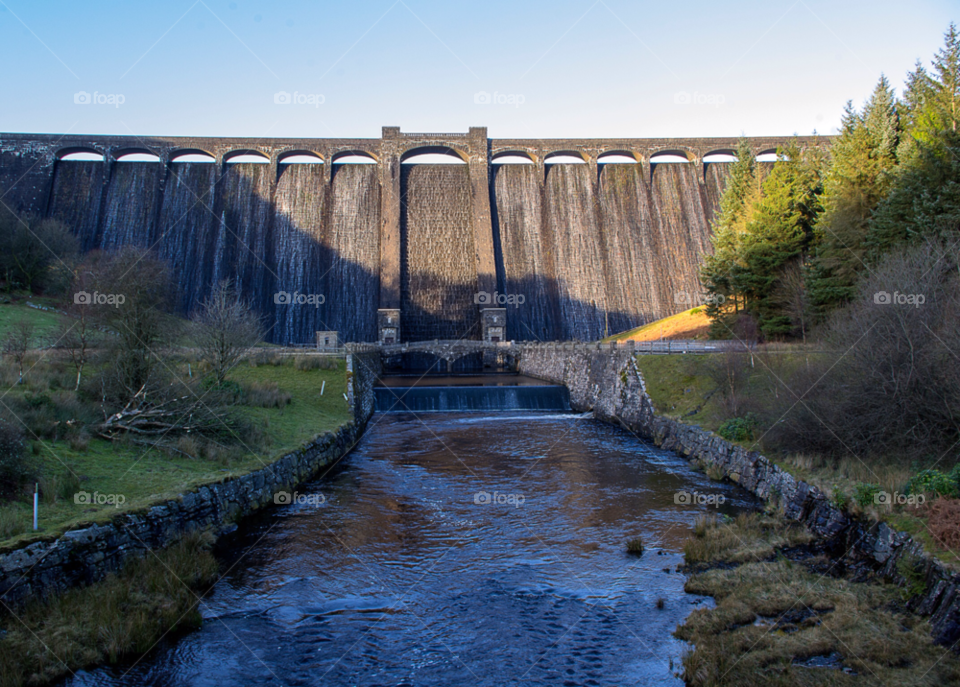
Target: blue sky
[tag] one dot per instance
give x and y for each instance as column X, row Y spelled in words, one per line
column 578, row 68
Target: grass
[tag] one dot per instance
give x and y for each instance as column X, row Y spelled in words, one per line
column 690, row 324
column 773, row 613
column 680, row 388
column 123, row 615
column 45, row 323
column 145, row 476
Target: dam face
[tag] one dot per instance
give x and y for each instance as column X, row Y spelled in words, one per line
column 398, row 252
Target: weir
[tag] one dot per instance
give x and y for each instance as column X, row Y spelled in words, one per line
column 399, row 252
column 469, row 393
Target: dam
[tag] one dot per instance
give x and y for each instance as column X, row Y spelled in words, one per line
column 392, row 251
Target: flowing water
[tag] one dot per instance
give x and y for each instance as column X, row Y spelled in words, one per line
column 446, row 549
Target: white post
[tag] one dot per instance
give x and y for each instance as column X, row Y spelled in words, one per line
column 36, row 504
column 322, row 386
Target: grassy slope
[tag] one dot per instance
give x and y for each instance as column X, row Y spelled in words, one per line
column 145, row 476
column 690, row 324
column 45, row 323
column 679, row 389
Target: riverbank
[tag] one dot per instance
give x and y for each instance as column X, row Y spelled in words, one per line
column 100, row 564
column 607, row 381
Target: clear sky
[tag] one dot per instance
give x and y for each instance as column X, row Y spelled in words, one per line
column 557, row 68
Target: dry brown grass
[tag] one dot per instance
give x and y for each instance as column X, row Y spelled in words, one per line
column 750, row 537
column 123, row 615
column 772, row 614
column 944, row 522
column 690, row 324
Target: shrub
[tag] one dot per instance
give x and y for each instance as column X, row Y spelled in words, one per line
column 863, row 494
column 738, row 428
column 15, row 470
column 58, row 487
column 266, row 395
column 635, row 546
column 14, row 520
column 935, row 482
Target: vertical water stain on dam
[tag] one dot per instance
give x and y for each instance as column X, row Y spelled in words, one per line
column 438, row 267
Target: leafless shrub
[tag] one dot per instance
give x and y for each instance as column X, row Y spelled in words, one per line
column 891, row 384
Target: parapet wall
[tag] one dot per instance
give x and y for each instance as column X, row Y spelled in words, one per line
column 608, row 383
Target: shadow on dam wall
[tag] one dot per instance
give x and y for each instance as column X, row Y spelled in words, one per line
column 587, row 255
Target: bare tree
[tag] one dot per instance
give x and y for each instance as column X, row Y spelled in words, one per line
column 17, row 343
column 225, row 329
column 791, row 294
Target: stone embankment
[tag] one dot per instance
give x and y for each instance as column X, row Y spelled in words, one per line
column 608, row 383
column 87, row 553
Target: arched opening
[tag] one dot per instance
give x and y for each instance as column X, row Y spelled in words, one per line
column 79, row 155
column 720, row 156
column 564, row 158
column 300, row 157
column 617, row 157
column 432, row 155
column 189, row 155
column 668, row 156
column 769, row 155
column 512, row 158
column 135, row 155
column 354, row 157
column 254, row 156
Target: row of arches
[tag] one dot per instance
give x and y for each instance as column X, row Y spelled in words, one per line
column 416, row 156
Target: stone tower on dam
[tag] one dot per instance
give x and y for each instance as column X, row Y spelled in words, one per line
column 401, row 252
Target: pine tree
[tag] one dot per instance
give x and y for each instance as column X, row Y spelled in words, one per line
column 859, row 177
column 925, row 196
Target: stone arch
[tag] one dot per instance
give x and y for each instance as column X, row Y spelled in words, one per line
column 610, row 156
column 66, row 153
column 286, row 156
column 666, row 153
column 766, row 152
column 123, row 153
column 560, row 157
column 176, row 155
column 258, row 157
column 499, row 157
column 719, row 151
column 418, row 150
column 340, row 155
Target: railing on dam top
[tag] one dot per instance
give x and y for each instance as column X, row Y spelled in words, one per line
column 664, row 347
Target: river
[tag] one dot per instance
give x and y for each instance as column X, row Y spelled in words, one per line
column 470, row 549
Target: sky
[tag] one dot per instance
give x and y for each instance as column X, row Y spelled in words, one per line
column 523, row 69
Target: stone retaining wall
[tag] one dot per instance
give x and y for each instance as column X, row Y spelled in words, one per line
column 87, row 553
column 609, row 384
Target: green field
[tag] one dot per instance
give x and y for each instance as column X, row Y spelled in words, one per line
column 144, row 475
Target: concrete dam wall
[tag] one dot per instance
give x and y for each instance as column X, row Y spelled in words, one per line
column 398, row 252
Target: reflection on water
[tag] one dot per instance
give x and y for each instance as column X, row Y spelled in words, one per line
column 455, row 550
